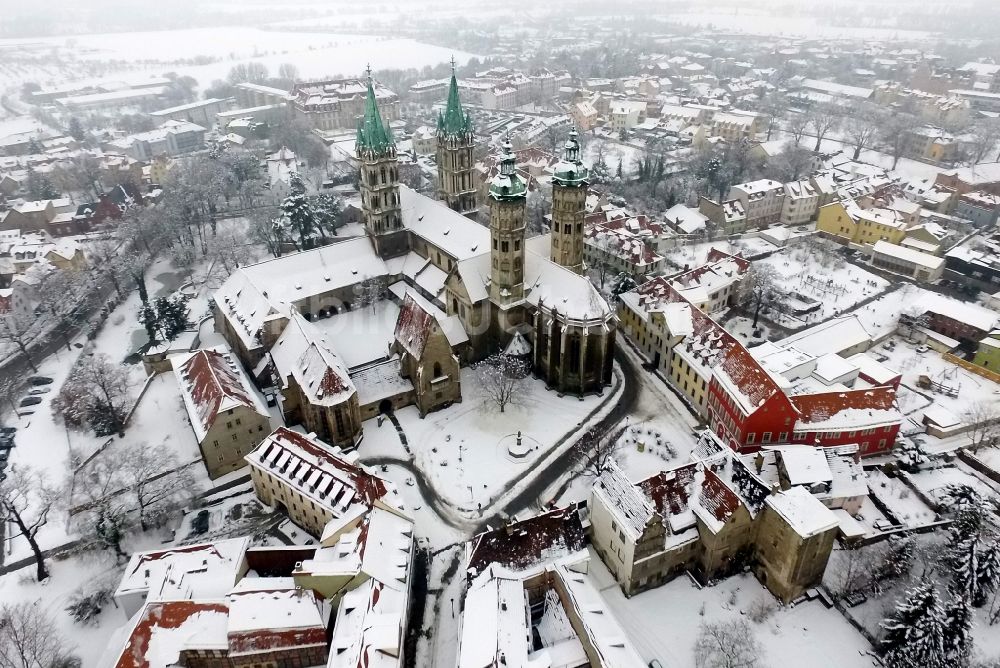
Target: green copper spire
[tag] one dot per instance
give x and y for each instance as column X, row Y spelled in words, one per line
column 570, row 171
column 508, row 184
column 454, row 123
column 373, row 136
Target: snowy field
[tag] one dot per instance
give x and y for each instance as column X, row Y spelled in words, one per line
column 663, row 622
column 745, row 20
column 817, row 272
column 900, row 500
column 209, row 53
column 972, row 388
column 696, row 254
column 932, row 481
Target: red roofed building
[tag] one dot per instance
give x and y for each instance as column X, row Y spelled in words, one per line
column 748, row 409
column 247, row 628
column 227, row 415
column 313, row 482
column 426, row 356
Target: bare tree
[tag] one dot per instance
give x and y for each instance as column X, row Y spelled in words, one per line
column 730, row 644
column 985, row 135
column 253, row 71
column 501, row 377
column 29, row 637
column 796, row 126
column 822, row 120
column 26, row 500
column 97, row 393
column 370, row 291
column 895, row 133
column 983, row 418
column 596, row 453
column 760, row 286
column 861, row 128
column 791, row 164
column 263, row 231
column 154, row 481
column 19, row 329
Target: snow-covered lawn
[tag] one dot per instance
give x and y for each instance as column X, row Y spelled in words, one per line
column 663, row 623
column 972, row 388
column 932, row 481
column 696, row 254
column 463, row 449
column 815, row 271
column 901, row 501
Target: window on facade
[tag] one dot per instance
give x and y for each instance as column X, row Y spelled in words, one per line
column 766, row 438
column 235, row 436
column 229, row 425
column 215, row 443
column 751, row 437
column 782, row 437
column 517, row 244
column 338, row 417
column 504, row 246
column 238, row 421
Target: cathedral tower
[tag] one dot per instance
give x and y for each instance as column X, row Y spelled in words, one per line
column 380, row 206
column 455, row 141
column 569, row 201
column 507, row 202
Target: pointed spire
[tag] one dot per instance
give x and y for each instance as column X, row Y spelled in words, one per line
column 508, row 163
column 508, row 184
column 373, row 135
column 454, row 123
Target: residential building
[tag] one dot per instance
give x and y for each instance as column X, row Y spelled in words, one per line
column 975, row 263
column 250, row 94
column 729, row 217
column 762, row 201
column 173, row 138
column 801, row 203
column 584, row 115
column 713, row 517
column 626, row 114
column 988, row 352
column 848, row 222
column 200, row 112
column 686, row 221
column 979, row 207
column 424, row 141
column 227, row 415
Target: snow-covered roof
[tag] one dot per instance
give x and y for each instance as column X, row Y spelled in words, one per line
column 270, row 619
column 163, row 630
column 905, row 254
column 804, row 465
column 211, row 383
column 623, row 498
column 304, row 352
column 805, row 514
column 850, row 410
column 966, row 312
column 206, row 570
column 526, row 544
column 686, row 219
column 321, row 474
column 831, row 336
column 456, row 235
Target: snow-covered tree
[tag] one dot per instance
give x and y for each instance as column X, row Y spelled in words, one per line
column 328, row 212
column 370, row 292
column 26, row 501
column 761, row 285
column 109, row 528
column 730, row 644
column 987, row 573
column 29, row 638
column 298, row 211
column 958, row 498
column 595, row 453
column 911, row 455
column 983, row 418
column 20, row 330
column 822, row 120
column 165, row 318
column 914, row 633
column 501, row 378
column 895, row 564
column 957, row 632
column 96, row 393
column 623, row 283
column 154, row 480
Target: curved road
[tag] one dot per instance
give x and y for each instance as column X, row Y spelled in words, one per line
column 531, row 494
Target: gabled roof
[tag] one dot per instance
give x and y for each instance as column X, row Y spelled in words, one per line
column 752, row 384
column 524, row 544
column 854, row 409
column 413, row 327
column 211, row 383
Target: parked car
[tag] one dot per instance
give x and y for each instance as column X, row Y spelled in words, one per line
column 922, row 349
column 39, row 390
column 30, row 401
column 199, row 524
column 39, row 380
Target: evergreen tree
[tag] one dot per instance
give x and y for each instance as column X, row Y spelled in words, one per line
column 911, row 455
column 623, row 283
column 618, row 171
column 957, row 632
column 108, row 527
column 914, row 634
column 987, row 573
column 75, row 129
column 328, row 211
column 298, row 210
column 897, row 563
column 40, row 186
column 147, row 316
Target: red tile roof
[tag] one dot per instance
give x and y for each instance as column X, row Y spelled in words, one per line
column 717, row 498
column 748, row 376
column 823, row 406
column 211, row 378
column 670, row 491
column 413, row 327
column 526, row 543
column 166, row 615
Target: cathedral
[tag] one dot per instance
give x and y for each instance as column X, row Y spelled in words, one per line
column 533, row 287
column 464, row 291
